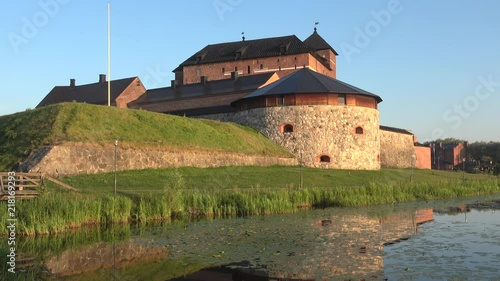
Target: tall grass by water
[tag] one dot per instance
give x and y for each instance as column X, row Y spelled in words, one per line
column 54, row 213
column 177, row 194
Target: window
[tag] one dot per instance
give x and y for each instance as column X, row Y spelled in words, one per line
column 359, row 131
column 223, row 70
column 261, row 66
column 280, row 68
column 248, row 69
column 281, row 100
column 286, row 128
column 341, row 100
column 325, row 159
column 236, row 68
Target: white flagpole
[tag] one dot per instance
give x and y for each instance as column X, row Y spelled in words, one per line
column 109, row 55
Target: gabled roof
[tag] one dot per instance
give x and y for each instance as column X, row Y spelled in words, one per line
column 95, row 93
column 309, row 81
column 316, row 42
column 396, row 130
column 259, row 48
column 225, row 86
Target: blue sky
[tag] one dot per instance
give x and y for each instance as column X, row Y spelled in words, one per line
column 436, row 64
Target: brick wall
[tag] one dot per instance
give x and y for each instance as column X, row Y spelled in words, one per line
column 423, row 154
column 131, row 93
column 283, row 65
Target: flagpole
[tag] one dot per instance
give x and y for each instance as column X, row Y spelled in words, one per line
column 109, row 55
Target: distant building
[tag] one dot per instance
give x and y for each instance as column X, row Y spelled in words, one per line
column 123, row 91
column 448, row 156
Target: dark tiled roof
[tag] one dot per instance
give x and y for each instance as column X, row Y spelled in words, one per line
column 189, row 91
column 95, row 93
column 317, row 42
column 395, row 130
column 259, row 48
column 308, row 81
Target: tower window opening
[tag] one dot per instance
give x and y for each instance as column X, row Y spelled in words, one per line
column 325, row 159
column 359, row 131
column 281, row 100
column 341, row 99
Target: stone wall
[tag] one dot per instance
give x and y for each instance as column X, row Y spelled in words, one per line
column 396, row 150
column 328, row 130
column 68, row 159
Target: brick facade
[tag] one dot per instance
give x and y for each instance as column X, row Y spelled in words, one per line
column 282, row 65
column 448, row 156
column 423, row 155
column 131, row 93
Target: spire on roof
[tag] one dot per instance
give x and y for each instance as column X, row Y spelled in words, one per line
column 243, row 35
column 316, row 24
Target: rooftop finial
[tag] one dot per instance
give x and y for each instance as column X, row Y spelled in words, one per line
column 316, row 24
column 243, row 35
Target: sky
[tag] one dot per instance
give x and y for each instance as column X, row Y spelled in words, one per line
column 436, row 64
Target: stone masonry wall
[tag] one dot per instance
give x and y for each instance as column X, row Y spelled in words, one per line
column 68, row 159
column 396, row 150
column 321, row 130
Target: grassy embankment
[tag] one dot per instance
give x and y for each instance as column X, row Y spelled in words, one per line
column 154, row 195
column 23, row 132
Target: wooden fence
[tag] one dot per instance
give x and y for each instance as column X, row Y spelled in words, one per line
column 25, row 185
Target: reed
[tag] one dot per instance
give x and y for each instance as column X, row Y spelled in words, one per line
column 54, row 213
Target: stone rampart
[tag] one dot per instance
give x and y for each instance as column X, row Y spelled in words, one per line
column 396, row 150
column 70, row 159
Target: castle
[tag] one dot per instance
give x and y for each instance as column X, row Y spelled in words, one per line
column 286, row 89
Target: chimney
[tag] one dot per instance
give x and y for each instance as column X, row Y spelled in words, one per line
column 173, row 84
column 102, row 78
column 203, row 80
column 72, row 82
column 234, row 75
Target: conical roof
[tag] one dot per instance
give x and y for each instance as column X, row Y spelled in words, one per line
column 308, row 81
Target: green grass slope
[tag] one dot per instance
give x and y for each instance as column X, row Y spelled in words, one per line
column 22, row 132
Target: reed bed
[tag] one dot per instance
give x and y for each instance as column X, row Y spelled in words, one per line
column 52, row 214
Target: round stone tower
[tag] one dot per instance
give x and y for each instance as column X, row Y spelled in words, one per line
column 324, row 122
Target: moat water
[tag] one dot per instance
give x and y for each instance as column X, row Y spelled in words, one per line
column 439, row 240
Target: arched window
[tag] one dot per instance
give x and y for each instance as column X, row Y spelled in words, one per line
column 359, row 131
column 286, row 128
column 324, row 158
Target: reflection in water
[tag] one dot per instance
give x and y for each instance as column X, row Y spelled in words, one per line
column 343, row 246
column 331, row 244
column 460, row 245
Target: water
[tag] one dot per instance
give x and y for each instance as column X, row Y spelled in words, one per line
column 440, row 240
